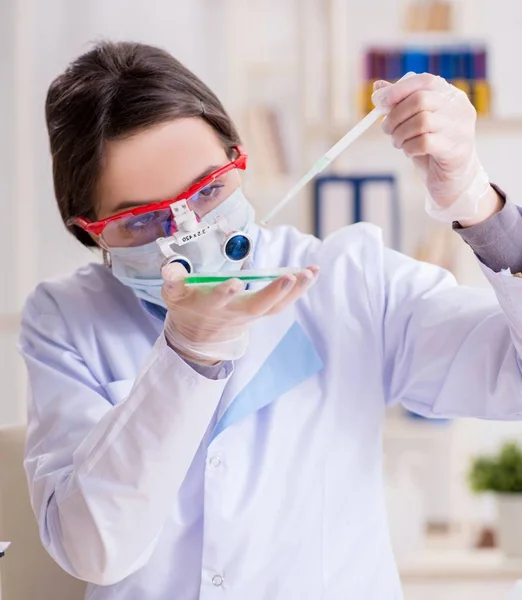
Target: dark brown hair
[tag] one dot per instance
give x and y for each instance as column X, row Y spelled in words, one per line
column 110, row 92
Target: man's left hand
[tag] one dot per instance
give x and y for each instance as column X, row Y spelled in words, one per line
column 433, row 123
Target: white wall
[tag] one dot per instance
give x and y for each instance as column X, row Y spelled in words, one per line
column 37, row 40
column 8, row 398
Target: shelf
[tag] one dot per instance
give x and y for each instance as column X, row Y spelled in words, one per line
column 495, row 125
column 408, row 429
column 456, row 564
column 275, row 67
column 485, row 126
column 424, row 39
column 9, row 323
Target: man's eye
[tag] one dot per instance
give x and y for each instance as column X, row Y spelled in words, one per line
column 140, row 221
column 210, row 191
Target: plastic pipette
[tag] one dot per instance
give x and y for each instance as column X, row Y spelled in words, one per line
column 332, row 154
column 327, row 158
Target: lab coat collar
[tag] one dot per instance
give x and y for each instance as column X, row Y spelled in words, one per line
column 280, row 355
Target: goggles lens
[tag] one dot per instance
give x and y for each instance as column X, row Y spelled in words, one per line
column 148, row 226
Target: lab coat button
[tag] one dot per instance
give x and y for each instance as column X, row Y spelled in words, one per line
column 215, row 461
column 217, row 580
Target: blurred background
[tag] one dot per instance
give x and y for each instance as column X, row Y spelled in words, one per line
column 296, row 74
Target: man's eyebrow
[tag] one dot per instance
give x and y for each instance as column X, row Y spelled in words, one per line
column 203, row 174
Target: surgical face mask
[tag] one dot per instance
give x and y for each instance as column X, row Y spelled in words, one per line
column 213, row 247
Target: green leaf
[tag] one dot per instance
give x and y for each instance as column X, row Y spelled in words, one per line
column 501, row 473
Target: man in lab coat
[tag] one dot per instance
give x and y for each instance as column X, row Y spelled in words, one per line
column 186, row 443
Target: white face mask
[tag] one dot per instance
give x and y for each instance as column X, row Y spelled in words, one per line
column 140, row 267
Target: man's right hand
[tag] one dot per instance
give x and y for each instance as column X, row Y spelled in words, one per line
column 209, row 324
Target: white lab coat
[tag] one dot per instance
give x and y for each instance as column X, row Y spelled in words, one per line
column 151, row 481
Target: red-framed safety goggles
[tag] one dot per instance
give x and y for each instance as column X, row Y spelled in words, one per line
column 146, row 223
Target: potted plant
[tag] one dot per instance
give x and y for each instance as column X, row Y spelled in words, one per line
column 502, row 475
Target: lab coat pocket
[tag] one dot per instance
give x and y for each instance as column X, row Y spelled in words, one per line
column 116, row 391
